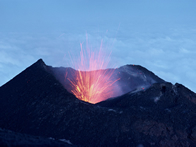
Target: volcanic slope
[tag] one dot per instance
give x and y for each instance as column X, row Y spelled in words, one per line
column 9, row 138
column 36, row 103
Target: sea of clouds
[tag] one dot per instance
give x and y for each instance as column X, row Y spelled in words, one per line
column 167, row 51
column 159, row 35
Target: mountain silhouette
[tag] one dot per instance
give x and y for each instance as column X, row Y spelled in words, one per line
column 148, row 112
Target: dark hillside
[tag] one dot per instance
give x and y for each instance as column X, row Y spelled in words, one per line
column 37, row 104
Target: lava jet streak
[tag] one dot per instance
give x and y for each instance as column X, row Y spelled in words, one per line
column 94, row 84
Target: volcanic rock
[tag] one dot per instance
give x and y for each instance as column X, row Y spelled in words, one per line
column 10, row 138
column 152, row 112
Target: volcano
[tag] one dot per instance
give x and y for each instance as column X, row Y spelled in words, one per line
column 38, row 108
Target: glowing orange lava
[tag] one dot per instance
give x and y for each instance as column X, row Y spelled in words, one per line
column 93, row 84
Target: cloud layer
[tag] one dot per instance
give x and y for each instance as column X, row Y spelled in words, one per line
column 159, row 35
column 169, row 53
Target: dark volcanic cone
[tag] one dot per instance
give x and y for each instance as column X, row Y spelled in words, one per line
column 161, row 114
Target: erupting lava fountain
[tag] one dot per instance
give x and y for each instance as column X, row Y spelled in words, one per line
column 91, row 83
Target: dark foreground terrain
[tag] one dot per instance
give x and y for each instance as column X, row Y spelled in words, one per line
column 39, row 111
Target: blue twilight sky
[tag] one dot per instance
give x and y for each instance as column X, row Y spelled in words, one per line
column 157, row 34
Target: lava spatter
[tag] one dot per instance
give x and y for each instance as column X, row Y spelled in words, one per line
column 94, row 84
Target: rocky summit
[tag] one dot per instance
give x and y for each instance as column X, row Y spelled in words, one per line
column 37, row 108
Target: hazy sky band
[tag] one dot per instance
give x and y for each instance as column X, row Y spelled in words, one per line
column 159, row 35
